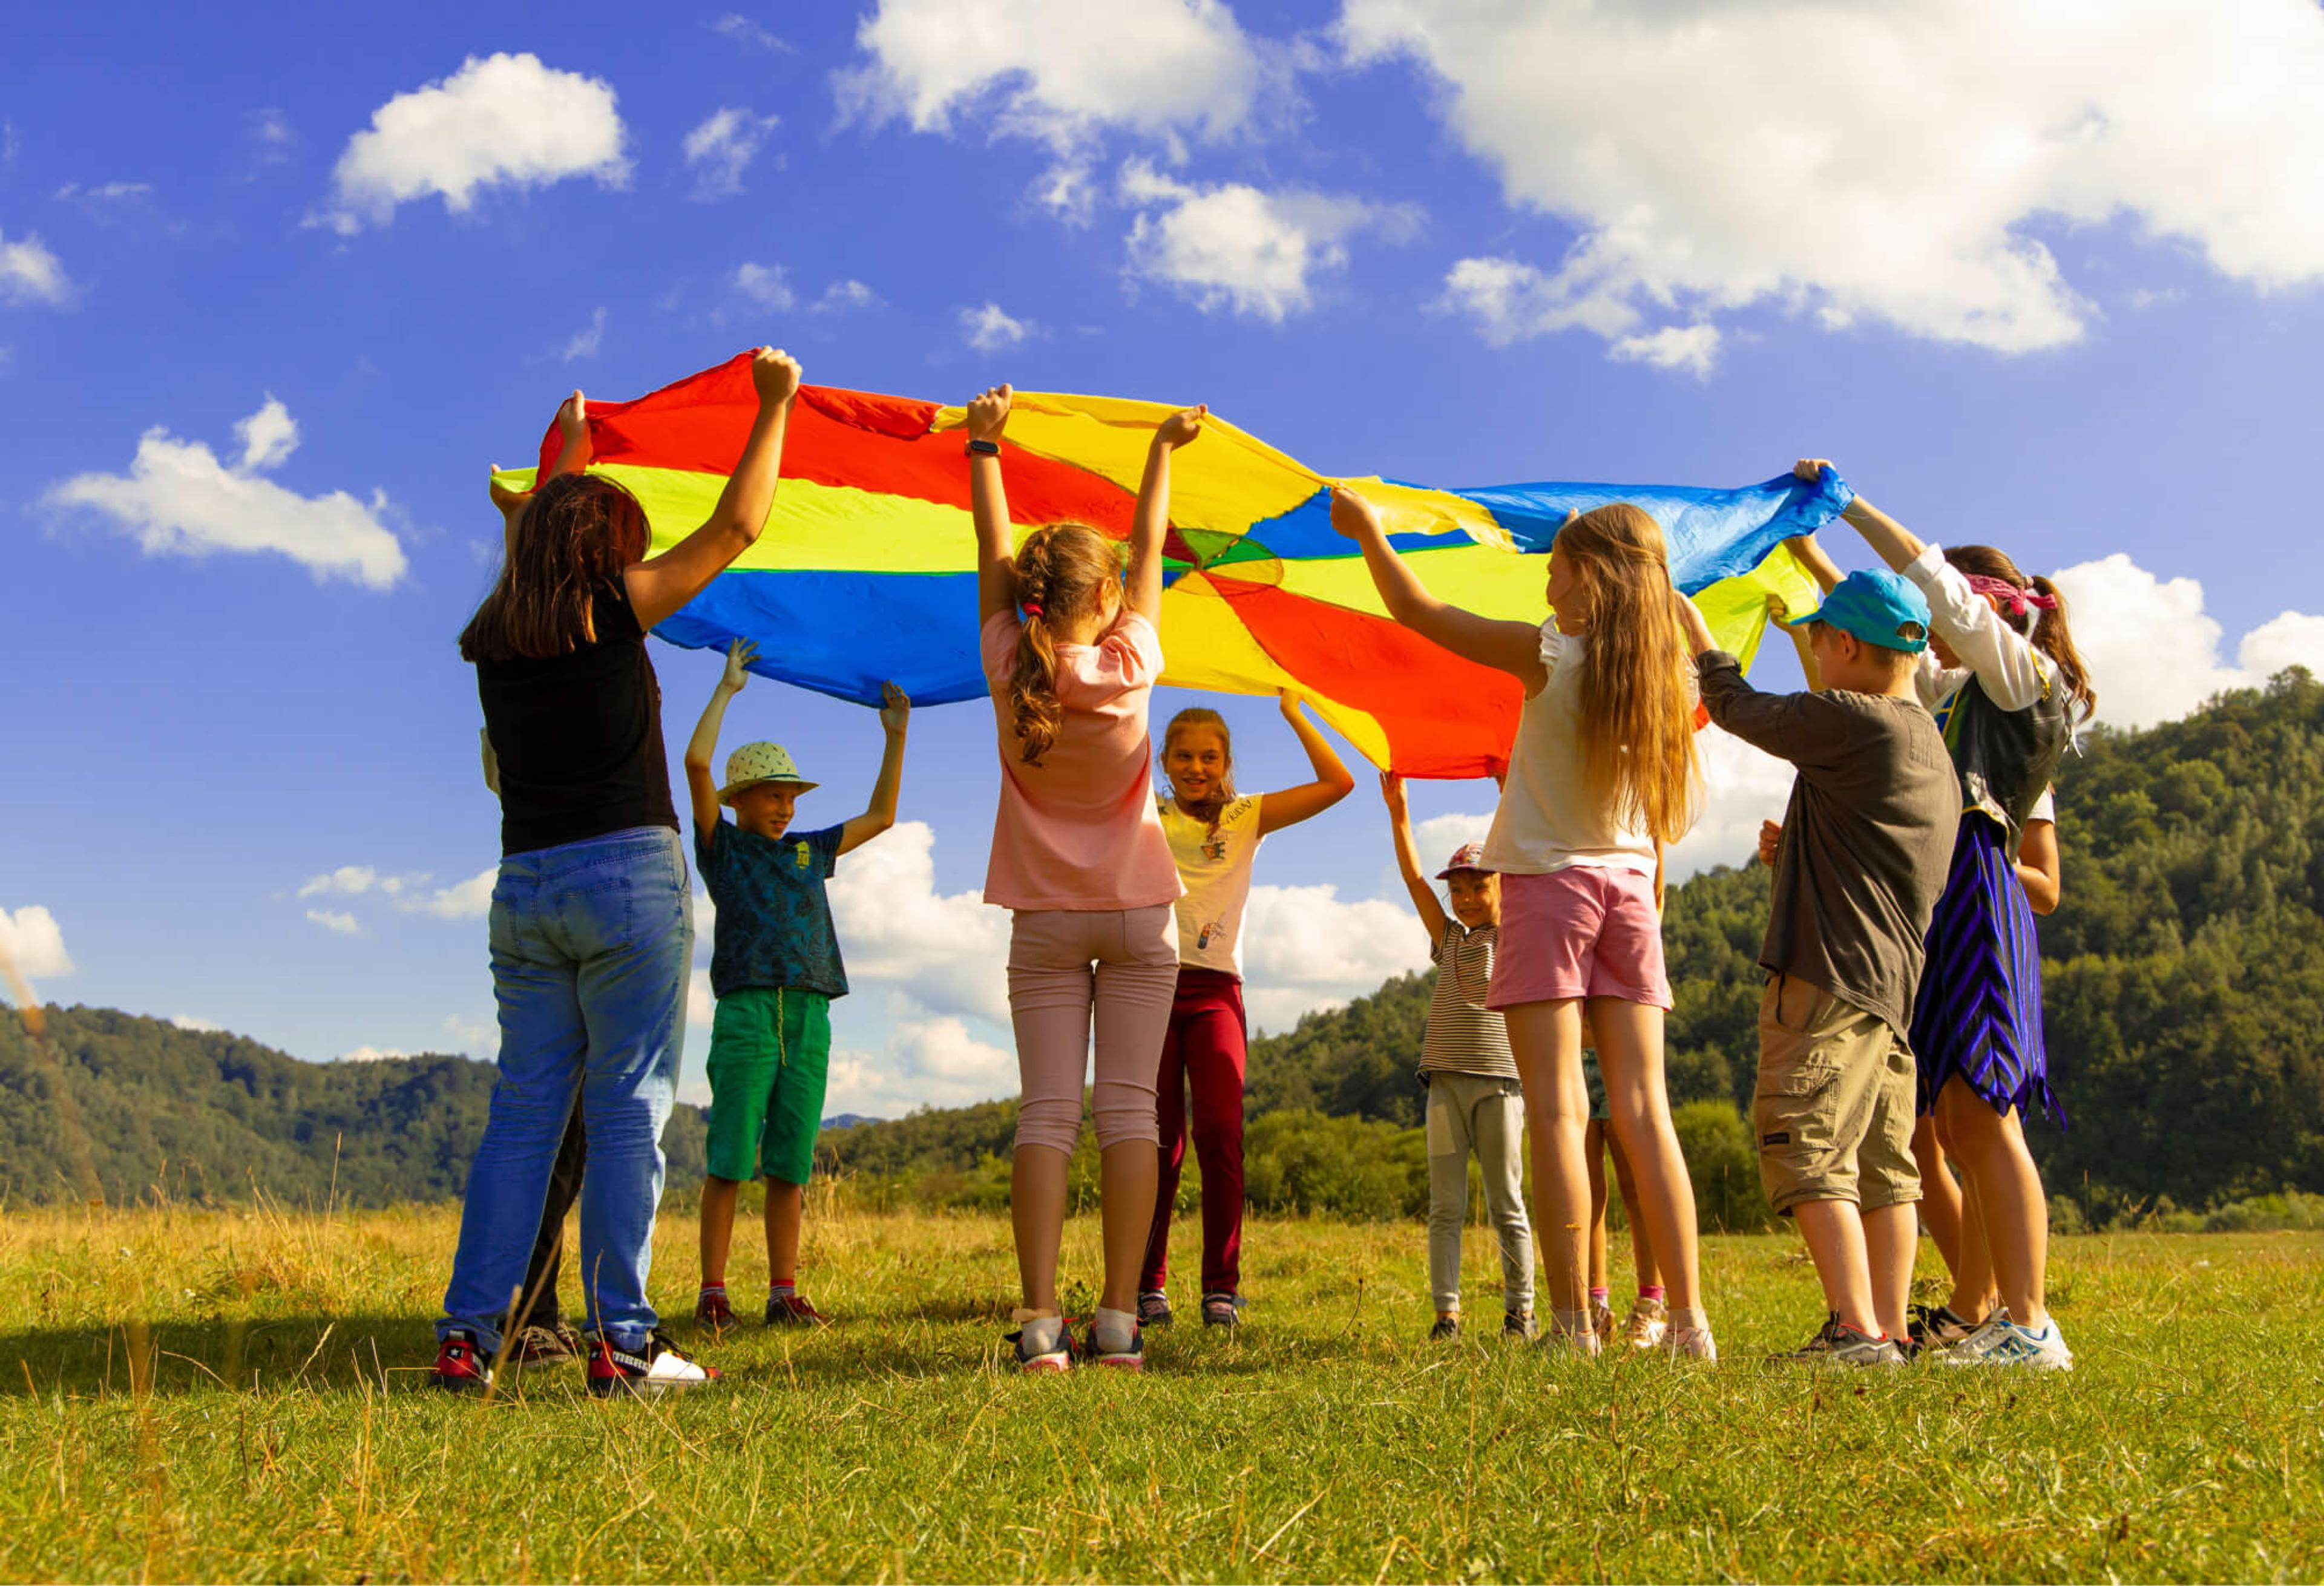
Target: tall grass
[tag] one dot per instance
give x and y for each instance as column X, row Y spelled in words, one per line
column 238, row 1395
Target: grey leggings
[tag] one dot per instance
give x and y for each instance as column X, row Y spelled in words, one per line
column 1470, row 1112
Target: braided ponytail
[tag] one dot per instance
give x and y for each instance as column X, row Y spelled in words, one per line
column 1059, row 569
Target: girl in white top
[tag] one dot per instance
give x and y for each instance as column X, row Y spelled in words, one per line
column 1602, row 774
column 1214, row 836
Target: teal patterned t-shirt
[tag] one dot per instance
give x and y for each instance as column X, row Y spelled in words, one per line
column 774, row 921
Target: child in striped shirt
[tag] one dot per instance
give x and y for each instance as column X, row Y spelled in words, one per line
column 1475, row 1104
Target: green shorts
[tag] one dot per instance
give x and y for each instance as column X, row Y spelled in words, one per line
column 770, row 1061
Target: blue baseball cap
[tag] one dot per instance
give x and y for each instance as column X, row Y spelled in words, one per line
column 1880, row 607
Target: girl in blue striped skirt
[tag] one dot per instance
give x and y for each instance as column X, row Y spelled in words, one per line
column 2008, row 689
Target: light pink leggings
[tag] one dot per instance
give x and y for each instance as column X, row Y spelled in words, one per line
column 1062, row 964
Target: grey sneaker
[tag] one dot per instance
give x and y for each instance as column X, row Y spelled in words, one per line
column 1221, row 1309
column 1518, row 1326
column 1836, row 1343
column 2003, row 1342
column 1446, row 1330
column 1154, row 1309
column 1939, row 1327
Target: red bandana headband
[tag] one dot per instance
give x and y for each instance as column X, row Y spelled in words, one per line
column 2012, row 596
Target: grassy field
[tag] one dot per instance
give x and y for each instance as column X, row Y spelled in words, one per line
column 240, row 1394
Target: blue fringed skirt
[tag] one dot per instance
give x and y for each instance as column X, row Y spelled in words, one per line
column 1979, row 1012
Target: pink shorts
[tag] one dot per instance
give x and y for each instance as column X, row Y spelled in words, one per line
column 1584, row 931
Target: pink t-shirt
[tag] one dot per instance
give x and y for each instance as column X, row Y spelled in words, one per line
column 1078, row 831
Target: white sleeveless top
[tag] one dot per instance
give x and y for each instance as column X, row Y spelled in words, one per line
column 1216, row 870
column 1547, row 820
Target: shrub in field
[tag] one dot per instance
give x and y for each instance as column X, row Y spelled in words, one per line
column 2289, row 1211
column 1719, row 1159
column 1305, row 1162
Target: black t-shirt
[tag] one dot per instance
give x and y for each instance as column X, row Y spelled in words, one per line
column 578, row 736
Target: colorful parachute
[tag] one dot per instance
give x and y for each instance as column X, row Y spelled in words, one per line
column 866, row 569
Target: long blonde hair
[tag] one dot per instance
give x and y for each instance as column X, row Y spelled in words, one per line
column 1059, row 570
column 1638, row 731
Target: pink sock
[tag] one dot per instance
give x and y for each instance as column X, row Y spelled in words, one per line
column 1651, row 1291
column 1598, row 1296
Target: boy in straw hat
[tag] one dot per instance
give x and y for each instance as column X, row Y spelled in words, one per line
column 774, row 967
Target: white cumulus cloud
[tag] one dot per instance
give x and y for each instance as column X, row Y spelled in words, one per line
column 926, row 1063
column 179, row 498
column 1058, row 70
column 30, row 273
column 840, row 295
column 338, row 921
column 988, row 329
column 31, row 939
column 764, row 285
column 720, row 150
column 372, row 1055
column 585, row 341
column 1231, row 245
column 468, row 899
column 1895, row 163
column 1305, row 948
column 946, row 953
column 499, row 121
column 2155, row 654
column 200, row 1027
column 1742, row 787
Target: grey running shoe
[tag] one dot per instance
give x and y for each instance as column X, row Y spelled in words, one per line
column 1446, row 1330
column 2003, row 1342
column 1836, row 1343
column 1518, row 1325
column 1154, row 1309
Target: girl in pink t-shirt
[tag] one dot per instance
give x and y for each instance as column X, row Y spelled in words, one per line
column 1079, row 859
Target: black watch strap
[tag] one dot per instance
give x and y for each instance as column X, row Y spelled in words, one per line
column 983, row 448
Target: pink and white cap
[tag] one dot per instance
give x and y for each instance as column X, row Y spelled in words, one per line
column 1468, row 856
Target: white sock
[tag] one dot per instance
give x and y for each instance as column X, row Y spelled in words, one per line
column 1115, row 1329
column 1041, row 1333
column 1690, row 1316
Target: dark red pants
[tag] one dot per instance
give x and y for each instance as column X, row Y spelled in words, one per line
column 1206, row 1050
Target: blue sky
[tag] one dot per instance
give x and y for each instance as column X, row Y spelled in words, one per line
column 2027, row 283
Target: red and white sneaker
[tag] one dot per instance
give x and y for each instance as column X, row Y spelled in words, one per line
column 1130, row 1357
column 659, row 1368
column 792, row 1310
column 459, row 1368
column 1039, row 1353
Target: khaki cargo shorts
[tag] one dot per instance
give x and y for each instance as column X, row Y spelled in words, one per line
column 1833, row 1109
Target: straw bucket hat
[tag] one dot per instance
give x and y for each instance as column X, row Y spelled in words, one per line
column 754, row 763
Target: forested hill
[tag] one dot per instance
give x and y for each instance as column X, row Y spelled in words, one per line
column 2185, row 996
column 2184, row 980
column 210, row 1116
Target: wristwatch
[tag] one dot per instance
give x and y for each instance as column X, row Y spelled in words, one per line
column 983, row 448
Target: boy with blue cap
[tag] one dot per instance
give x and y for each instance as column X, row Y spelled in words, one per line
column 1861, row 862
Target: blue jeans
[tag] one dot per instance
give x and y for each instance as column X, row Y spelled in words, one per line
column 591, row 943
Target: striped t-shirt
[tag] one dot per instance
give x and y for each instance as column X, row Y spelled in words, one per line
column 1464, row 1036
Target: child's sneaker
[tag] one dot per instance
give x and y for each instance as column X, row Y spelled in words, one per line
column 1130, row 1357
column 792, row 1310
column 658, row 1367
column 1602, row 1317
column 1039, row 1355
column 1690, row 1343
column 458, row 1366
column 1647, row 1322
column 1446, row 1330
column 1563, row 1338
column 546, row 1346
column 2003, row 1342
column 1154, row 1309
column 711, row 1312
column 1518, row 1326
column 1836, row 1343
column 1939, row 1327
column 1221, row 1309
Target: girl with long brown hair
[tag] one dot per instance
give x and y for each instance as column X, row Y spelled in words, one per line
column 2008, row 688
column 592, row 927
column 1071, row 654
column 1603, row 777
column 1214, row 835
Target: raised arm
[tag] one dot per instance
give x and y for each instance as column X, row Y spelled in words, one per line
column 701, row 782
column 1890, row 541
column 572, row 457
column 1407, row 860
column 658, row 587
column 987, row 504
column 1150, row 524
column 1331, row 783
column 894, row 717
column 1514, row 648
column 1817, row 560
